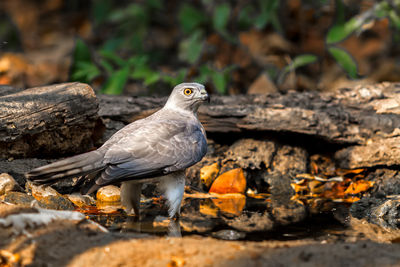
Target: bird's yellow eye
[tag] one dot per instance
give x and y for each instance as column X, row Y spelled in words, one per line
column 187, row 91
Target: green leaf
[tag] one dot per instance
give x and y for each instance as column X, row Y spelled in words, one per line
column 190, row 49
column 176, row 79
column 269, row 14
column 155, row 4
column 81, row 52
column 116, row 83
column 339, row 32
column 113, row 57
column 204, row 74
column 152, row 78
column 300, row 61
column 220, row 82
column 84, row 72
column 101, row 10
column 221, row 17
column 82, row 68
column 245, row 18
column 394, row 18
column 190, row 18
column 107, row 66
column 344, row 59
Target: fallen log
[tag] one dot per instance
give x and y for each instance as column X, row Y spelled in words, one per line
column 364, row 119
column 47, row 121
column 59, row 119
column 349, row 116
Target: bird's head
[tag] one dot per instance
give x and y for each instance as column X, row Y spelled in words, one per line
column 187, row 96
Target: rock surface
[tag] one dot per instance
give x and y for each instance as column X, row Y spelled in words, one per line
column 7, row 184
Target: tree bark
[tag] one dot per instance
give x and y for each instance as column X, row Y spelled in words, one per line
column 355, row 118
column 47, row 121
column 362, row 124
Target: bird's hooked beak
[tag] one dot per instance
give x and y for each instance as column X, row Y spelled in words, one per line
column 204, row 95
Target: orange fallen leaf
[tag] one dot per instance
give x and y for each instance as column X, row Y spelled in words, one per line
column 232, row 204
column 299, row 188
column 336, row 191
column 209, row 173
column 343, row 172
column 208, row 208
column 358, row 187
column 13, row 259
column 232, row 181
column 347, row 200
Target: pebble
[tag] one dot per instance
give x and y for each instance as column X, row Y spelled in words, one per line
column 8, row 183
column 18, row 198
column 49, row 198
column 228, row 234
column 109, row 193
column 81, row 200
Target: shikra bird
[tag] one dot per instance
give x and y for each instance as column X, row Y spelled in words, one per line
column 157, row 148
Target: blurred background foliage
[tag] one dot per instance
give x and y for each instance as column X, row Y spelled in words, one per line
column 241, row 46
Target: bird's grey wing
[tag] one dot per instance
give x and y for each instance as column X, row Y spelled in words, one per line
column 157, row 148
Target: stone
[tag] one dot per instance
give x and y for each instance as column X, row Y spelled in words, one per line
column 251, row 222
column 208, row 174
column 250, row 153
column 18, row 167
column 80, row 200
column 109, row 193
column 7, row 184
column 49, row 198
column 379, row 211
column 18, row 198
column 290, row 160
column 228, row 234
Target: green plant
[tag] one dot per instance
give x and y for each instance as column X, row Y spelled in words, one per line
column 342, row 29
column 123, row 56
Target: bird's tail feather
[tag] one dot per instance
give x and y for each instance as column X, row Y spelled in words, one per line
column 71, row 167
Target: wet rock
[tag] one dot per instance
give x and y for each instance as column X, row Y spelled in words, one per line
column 250, row 153
column 377, row 152
column 18, row 198
column 7, row 183
column 198, row 224
column 279, row 185
column 387, row 183
column 80, row 200
column 251, row 222
column 109, row 193
column 290, row 160
column 288, row 213
column 372, row 231
column 109, row 207
column 49, row 198
column 228, row 234
column 209, row 173
column 380, row 211
column 18, row 167
column 192, row 220
column 232, row 181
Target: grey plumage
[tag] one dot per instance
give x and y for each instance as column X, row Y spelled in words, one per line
column 159, row 146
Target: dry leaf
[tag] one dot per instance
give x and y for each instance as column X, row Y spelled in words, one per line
column 232, row 204
column 359, row 187
column 232, row 181
column 208, row 208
